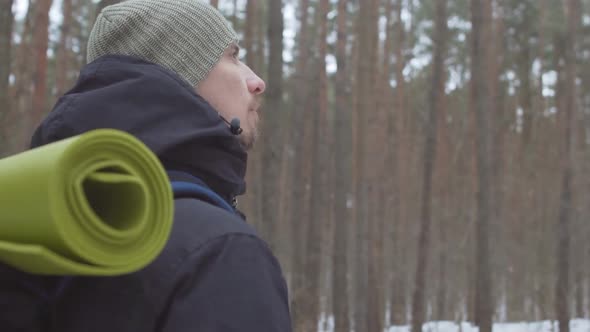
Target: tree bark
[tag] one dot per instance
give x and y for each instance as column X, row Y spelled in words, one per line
column 398, row 123
column 364, row 108
column 498, row 129
column 318, row 194
column 40, row 44
column 6, row 20
column 273, row 142
column 389, row 170
column 562, row 287
column 299, row 134
column 260, row 32
column 23, row 85
column 234, row 16
column 249, row 34
column 481, row 102
column 64, row 47
column 375, row 163
column 443, row 200
column 436, row 96
column 342, row 155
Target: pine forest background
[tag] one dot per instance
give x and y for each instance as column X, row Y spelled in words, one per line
column 421, row 160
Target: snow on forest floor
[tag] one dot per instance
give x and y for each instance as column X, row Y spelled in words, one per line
column 576, row 325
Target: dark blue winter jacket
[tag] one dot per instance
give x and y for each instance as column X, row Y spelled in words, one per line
column 215, row 274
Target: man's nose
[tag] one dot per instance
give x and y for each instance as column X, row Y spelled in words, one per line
column 256, row 85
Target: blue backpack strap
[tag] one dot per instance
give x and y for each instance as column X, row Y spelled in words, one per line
column 184, row 189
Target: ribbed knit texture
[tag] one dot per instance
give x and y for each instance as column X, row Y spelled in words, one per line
column 186, row 36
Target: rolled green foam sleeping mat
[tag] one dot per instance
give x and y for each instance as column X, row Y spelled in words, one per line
column 99, row 203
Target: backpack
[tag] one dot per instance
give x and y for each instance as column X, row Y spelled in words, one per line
column 26, row 300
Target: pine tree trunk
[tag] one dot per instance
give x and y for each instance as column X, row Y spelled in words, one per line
column 64, row 47
column 261, row 47
column 234, row 16
column 481, row 102
column 398, row 124
column 40, row 44
column 6, row 20
column 389, row 168
column 342, row 138
column 317, row 124
column 300, row 134
column 273, row 143
column 444, row 192
column 249, row 33
column 495, row 53
column 436, row 96
column 562, row 289
column 366, row 168
column 375, row 160
column 23, row 71
column 579, row 293
column 499, row 131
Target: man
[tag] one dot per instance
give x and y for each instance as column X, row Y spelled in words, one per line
column 168, row 72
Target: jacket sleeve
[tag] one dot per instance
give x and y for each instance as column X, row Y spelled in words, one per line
column 232, row 283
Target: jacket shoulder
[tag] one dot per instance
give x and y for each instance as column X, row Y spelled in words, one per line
column 231, row 283
column 197, row 222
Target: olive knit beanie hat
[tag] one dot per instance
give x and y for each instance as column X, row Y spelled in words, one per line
column 186, row 36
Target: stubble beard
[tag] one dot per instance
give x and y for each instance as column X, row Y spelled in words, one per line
column 247, row 141
column 249, row 138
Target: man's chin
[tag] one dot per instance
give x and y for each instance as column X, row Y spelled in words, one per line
column 247, row 141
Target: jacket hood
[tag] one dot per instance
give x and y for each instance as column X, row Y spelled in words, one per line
column 160, row 109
